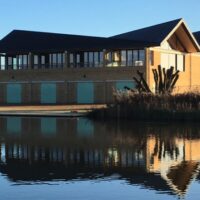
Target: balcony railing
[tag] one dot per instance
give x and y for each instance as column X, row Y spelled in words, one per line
column 74, row 65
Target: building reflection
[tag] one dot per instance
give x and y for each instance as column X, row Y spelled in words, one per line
column 164, row 158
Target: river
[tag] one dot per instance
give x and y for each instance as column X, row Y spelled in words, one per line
column 76, row 158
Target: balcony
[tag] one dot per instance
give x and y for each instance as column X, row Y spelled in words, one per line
column 72, row 65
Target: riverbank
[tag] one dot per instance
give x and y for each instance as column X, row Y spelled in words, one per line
column 49, row 110
column 150, row 107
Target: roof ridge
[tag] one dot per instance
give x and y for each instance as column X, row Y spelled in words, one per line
column 54, row 33
column 151, row 26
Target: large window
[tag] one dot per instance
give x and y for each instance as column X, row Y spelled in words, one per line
column 25, row 61
column 2, row 62
column 101, row 59
column 113, row 59
column 93, row 59
column 96, row 59
column 78, row 60
column 86, row 63
column 43, row 64
column 36, row 61
column 132, row 57
column 180, row 62
column 173, row 60
column 71, row 60
column 123, row 58
column 10, row 62
column 56, row 60
column 15, row 63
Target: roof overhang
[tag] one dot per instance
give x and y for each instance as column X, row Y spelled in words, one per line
column 186, row 40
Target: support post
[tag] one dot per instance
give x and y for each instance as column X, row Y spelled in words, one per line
column 66, row 58
column 104, row 57
column 6, row 62
column 30, row 60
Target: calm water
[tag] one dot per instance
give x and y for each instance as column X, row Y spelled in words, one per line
column 59, row 158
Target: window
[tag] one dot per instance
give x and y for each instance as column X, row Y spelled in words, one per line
column 78, row 60
column 15, row 63
column 109, row 57
column 85, row 59
column 123, row 58
column 10, row 62
column 180, row 63
column 172, row 60
column 20, row 61
column 42, row 60
column 130, row 57
column 96, row 59
column 35, row 61
column 25, row 61
column 142, row 55
column 135, row 55
column 60, row 60
column 91, row 59
column 2, row 62
column 71, row 59
column 54, row 61
column 101, row 58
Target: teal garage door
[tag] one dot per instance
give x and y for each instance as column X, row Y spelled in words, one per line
column 48, row 93
column 85, row 92
column 14, row 93
column 48, row 126
column 14, row 125
column 121, row 84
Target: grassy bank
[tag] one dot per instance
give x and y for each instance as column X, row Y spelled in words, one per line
column 128, row 105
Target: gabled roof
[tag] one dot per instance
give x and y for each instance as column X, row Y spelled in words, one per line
column 156, row 33
column 19, row 41
column 197, row 36
column 168, row 31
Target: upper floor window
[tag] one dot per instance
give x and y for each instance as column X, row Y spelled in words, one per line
column 180, row 62
column 2, row 62
column 173, row 60
column 132, row 57
column 56, row 60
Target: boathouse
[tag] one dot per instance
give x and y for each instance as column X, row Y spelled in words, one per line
column 51, row 68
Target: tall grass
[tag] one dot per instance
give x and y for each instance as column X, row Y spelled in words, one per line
column 146, row 101
column 145, row 106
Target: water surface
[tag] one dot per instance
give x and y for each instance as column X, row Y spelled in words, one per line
column 62, row 158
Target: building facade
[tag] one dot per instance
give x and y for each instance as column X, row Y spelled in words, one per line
column 49, row 68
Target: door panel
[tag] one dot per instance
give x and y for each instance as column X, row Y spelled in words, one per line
column 85, row 92
column 14, row 91
column 48, row 93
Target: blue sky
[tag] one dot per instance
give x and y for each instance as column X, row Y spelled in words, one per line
column 94, row 17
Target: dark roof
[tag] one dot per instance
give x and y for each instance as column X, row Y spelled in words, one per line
column 197, row 36
column 19, row 41
column 156, row 33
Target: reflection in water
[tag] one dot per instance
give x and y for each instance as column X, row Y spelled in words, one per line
column 48, row 126
column 14, row 125
column 85, row 127
column 163, row 158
